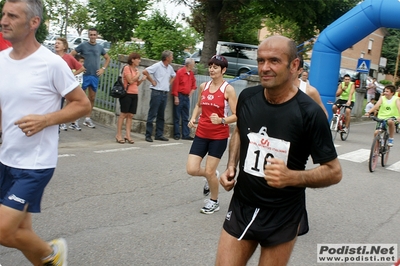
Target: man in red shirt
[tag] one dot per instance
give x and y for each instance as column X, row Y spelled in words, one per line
column 182, row 88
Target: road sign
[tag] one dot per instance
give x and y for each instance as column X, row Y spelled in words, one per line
column 363, row 65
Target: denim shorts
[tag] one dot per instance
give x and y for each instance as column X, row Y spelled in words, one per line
column 21, row 187
column 90, row 81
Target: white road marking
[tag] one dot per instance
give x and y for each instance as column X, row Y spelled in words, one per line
column 357, row 156
column 394, row 167
column 117, row 150
column 164, row 145
column 65, row 155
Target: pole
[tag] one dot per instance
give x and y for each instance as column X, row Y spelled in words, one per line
column 397, row 64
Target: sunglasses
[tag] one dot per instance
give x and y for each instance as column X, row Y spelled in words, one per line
column 218, row 57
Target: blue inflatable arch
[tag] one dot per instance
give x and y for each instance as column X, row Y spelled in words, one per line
column 349, row 29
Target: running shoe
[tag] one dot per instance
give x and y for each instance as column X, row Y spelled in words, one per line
column 210, row 207
column 75, row 126
column 206, row 188
column 59, row 256
column 63, row 127
column 345, row 130
column 390, row 142
column 89, row 123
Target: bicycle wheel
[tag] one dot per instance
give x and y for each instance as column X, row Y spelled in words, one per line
column 333, row 125
column 385, row 154
column 344, row 135
column 373, row 156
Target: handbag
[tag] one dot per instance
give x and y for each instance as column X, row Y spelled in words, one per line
column 118, row 90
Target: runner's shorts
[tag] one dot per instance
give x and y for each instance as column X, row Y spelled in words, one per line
column 214, row 148
column 21, row 187
column 90, row 81
column 267, row 226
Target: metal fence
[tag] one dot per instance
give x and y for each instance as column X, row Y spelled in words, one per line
column 106, row 102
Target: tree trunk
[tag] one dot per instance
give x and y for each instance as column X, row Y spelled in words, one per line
column 211, row 34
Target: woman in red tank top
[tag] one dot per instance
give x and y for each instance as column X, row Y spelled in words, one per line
column 215, row 99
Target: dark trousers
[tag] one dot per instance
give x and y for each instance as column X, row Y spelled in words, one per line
column 181, row 111
column 158, row 102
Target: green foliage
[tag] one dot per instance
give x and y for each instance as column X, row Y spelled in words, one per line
column 390, row 49
column 121, row 48
column 282, row 26
column 79, row 18
column 161, row 33
column 116, row 19
column 385, row 82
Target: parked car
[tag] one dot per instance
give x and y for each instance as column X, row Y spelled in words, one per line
column 74, row 41
column 105, row 44
column 196, row 56
column 242, row 58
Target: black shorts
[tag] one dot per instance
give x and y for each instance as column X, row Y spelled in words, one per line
column 129, row 103
column 214, row 147
column 340, row 102
column 267, row 226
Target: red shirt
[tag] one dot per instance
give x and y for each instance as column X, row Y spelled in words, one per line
column 72, row 62
column 184, row 82
column 4, row 44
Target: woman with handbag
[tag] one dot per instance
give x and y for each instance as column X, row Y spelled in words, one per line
column 128, row 103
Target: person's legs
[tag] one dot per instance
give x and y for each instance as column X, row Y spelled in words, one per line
column 210, row 174
column 347, row 114
column 16, row 232
column 120, row 123
column 92, row 97
column 277, row 255
column 128, row 126
column 233, row 252
column 155, row 101
column 177, row 117
column 185, row 116
column 391, row 125
column 160, row 116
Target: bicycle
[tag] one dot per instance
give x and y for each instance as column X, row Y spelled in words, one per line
column 338, row 123
column 379, row 145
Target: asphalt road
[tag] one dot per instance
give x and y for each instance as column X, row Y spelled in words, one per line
column 135, row 205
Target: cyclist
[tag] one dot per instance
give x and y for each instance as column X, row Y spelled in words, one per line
column 389, row 107
column 347, row 96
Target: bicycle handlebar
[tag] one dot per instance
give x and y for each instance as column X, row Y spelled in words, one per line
column 381, row 120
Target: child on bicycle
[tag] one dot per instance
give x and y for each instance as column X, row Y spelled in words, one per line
column 346, row 94
column 389, row 109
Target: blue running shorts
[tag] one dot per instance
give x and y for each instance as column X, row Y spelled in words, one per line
column 21, row 187
column 90, row 81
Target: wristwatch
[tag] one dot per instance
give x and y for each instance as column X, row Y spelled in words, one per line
column 223, row 121
column 103, row 68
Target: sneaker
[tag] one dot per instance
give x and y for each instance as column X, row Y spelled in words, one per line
column 63, row 127
column 390, row 142
column 206, row 189
column 210, row 207
column 75, row 126
column 59, row 257
column 345, row 130
column 88, row 122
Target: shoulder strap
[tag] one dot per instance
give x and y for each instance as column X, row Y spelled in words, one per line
column 223, row 86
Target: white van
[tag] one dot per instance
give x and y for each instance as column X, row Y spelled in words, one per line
column 241, row 57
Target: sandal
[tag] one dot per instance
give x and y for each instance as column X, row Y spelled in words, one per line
column 120, row 141
column 129, row 141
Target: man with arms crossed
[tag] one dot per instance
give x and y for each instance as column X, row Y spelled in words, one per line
column 33, row 80
column 91, row 50
column 278, row 127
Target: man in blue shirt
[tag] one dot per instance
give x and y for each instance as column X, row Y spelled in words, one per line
column 161, row 75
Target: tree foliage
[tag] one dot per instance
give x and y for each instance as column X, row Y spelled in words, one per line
column 79, row 18
column 214, row 18
column 117, row 18
column 162, row 33
column 390, row 49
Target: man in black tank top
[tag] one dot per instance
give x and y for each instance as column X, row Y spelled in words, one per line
column 278, row 128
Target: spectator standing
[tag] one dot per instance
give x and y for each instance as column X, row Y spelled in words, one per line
column 278, row 128
column 31, row 115
column 182, row 88
column 215, row 99
column 92, row 51
column 161, row 75
column 131, row 78
column 371, row 90
column 61, row 48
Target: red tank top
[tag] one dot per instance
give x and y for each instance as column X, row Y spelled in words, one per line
column 213, row 103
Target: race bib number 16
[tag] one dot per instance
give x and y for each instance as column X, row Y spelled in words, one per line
column 261, row 147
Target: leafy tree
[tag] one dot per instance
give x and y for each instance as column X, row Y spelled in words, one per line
column 117, row 18
column 390, row 49
column 210, row 17
column 79, row 19
column 161, row 33
column 59, row 11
